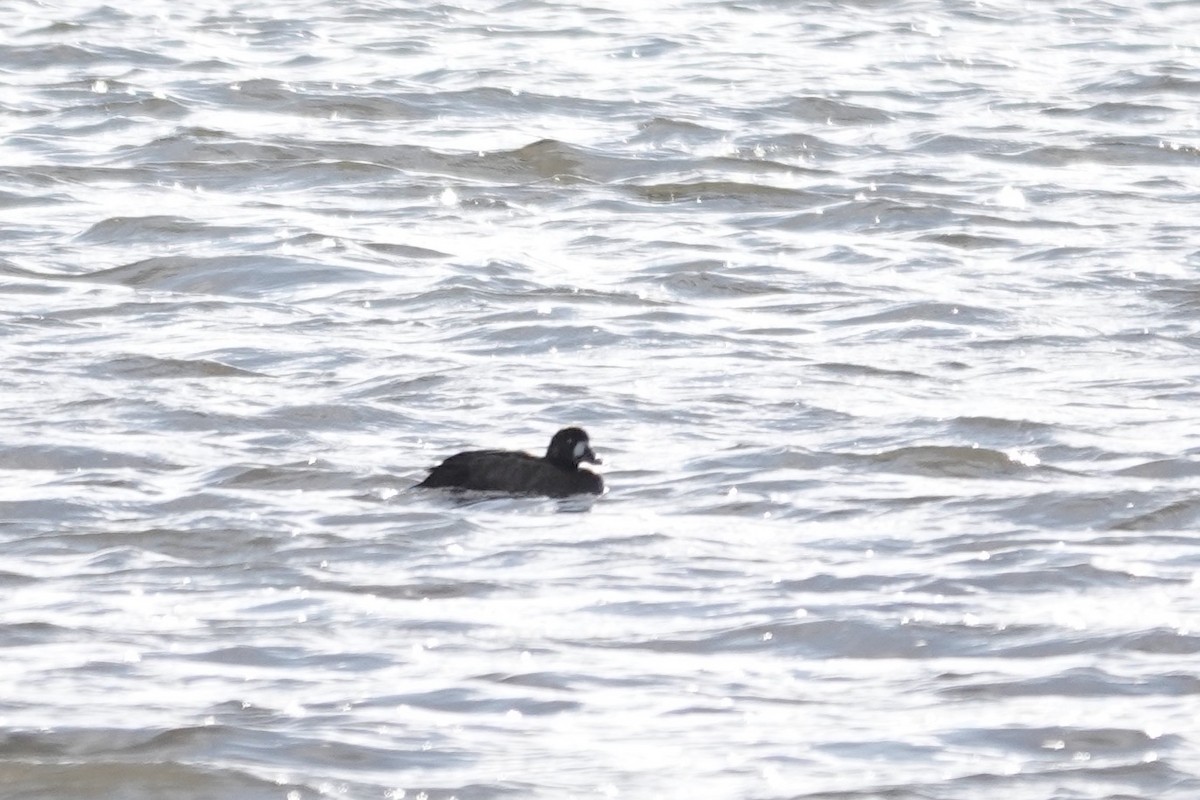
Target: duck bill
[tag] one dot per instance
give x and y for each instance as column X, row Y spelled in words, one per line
column 590, row 456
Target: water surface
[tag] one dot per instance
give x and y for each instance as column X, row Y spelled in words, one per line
column 883, row 317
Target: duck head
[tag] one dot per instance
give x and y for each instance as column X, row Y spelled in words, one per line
column 569, row 448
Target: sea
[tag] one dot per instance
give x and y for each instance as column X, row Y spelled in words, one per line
column 883, row 316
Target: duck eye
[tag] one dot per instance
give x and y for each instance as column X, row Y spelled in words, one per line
column 580, row 449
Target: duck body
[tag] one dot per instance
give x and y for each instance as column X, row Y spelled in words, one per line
column 557, row 474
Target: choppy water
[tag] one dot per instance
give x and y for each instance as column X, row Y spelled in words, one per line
column 884, row 317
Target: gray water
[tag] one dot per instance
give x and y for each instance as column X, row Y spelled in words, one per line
column 884, row 317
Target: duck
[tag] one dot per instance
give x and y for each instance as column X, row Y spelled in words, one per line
column 556, row 474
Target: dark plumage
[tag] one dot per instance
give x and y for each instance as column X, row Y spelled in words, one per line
column 557, row 474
